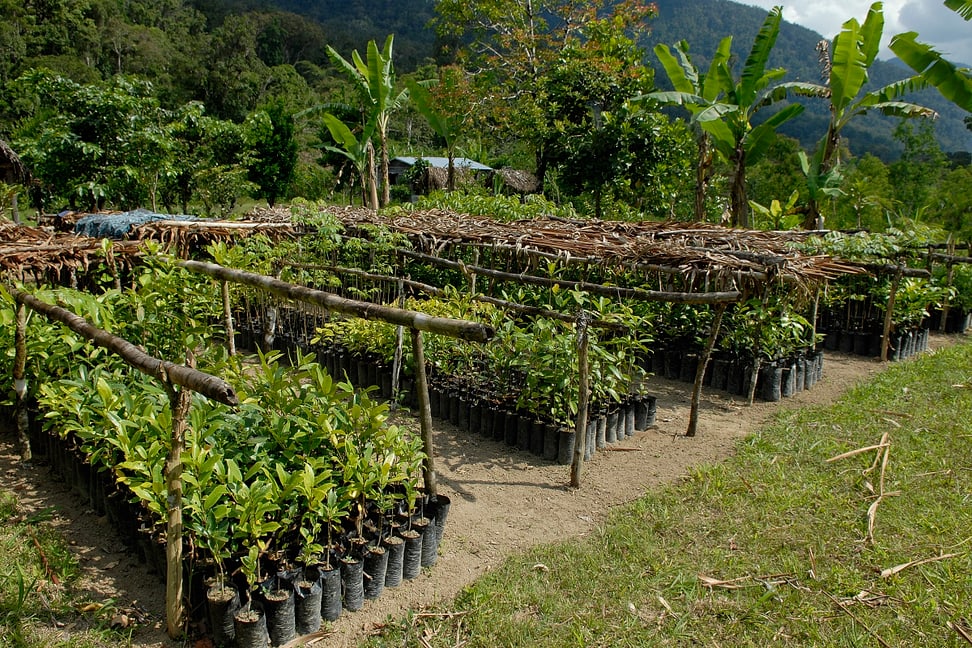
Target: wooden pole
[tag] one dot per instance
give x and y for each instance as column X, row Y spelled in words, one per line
column 168, row 372
column 228, row 318
column 583, row 398
column 435, row 290
column 179, row 403
column 889, row 314
column 700, row 371
column 946, row 305
column 425, row 412
column 472, row 331
column 20, row 382
column 399, row 343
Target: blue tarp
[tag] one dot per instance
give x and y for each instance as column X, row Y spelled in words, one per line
column 119, row 225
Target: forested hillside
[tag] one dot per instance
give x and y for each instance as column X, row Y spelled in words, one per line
column 233, row 54
column 703, row 23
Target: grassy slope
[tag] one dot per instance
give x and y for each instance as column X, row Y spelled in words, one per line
column 787, row 528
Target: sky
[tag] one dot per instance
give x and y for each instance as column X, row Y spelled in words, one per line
column 936, row 25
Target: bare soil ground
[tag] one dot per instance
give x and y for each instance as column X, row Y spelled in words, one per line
column 503, row 500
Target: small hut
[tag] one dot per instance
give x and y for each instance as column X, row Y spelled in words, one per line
column 514, row 182
column 436, row 174
column 12, row 171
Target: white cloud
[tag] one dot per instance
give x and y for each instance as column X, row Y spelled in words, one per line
column 936, row 25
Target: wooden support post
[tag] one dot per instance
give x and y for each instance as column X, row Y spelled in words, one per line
column 889, row 314
column 425, row 412
column 583, row 398
column 946, row 305
column 179, row 402
column 399, row 343
column 20, row 382
column 228, row 319
column 700, row 371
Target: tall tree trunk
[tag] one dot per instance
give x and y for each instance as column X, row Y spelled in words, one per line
column 372, row 180
column 385, row 189
column 702, row 171
column 739, row 203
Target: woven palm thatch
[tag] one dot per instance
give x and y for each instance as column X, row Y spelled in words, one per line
column 12, row 170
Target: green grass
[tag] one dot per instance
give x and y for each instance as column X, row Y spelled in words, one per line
column 788, row 529
column 36, row 611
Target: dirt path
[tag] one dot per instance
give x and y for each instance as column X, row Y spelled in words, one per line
column 502, row 500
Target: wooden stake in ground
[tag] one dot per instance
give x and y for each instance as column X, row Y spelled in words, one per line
column 425, row 412
column 583, row 396
column 179, row 403
column 889, row 314
column 700, row 371
column 20, row 381
column 228, row 318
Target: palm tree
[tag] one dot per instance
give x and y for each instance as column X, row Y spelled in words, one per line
column 726, row 107
column 953, row 83
column 845, row 70
column 375, row 80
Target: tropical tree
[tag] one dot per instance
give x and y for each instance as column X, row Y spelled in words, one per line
column 444, row 103
column 375, row 81
column 954, row 83
column 729, row 118
column 274, row 151
column 845, row 67
column 510, row 47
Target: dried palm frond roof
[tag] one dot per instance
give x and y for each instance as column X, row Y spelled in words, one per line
column 33, row 251
column 696, row 249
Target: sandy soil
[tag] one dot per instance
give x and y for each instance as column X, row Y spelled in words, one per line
column 502, row 500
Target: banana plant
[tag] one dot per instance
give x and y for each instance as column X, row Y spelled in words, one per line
column 954, row 83
column 726, row 107
column 845, row 66
column 375, row 80
column 687, row 78
column 359, row 150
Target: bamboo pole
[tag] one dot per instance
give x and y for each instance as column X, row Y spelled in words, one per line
column 583, row 399
column 889, row 313
column 20, row 382
column 168, row 372
column 597, row 289
column 465, row 330
column 228, row 318
column 425, row 412
column 700, row 371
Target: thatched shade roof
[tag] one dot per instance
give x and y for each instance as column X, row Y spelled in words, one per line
column 26, row 252
column 717, row 256
column 12, row 170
